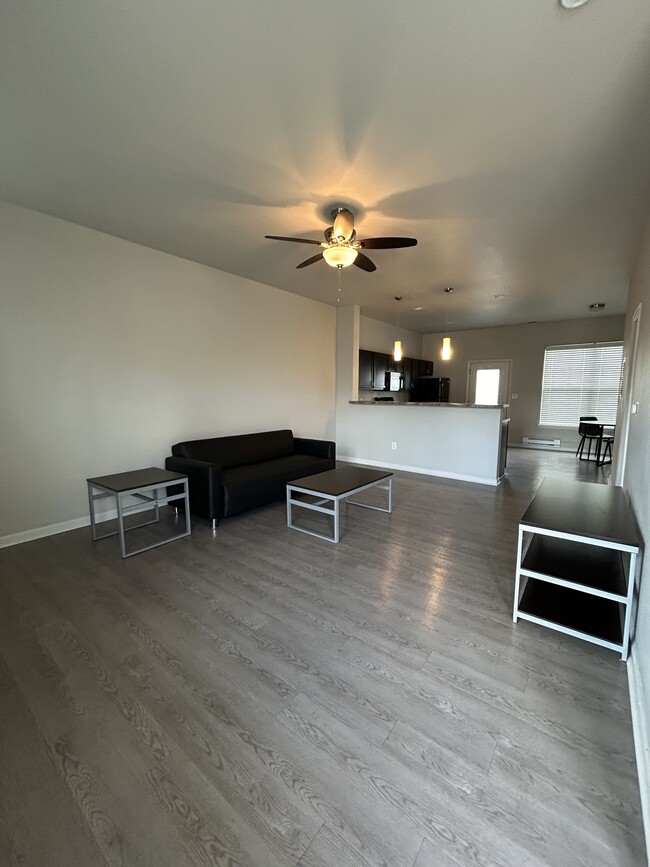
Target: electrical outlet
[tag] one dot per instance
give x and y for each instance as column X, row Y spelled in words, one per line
column 393, row 446
column 515, row 396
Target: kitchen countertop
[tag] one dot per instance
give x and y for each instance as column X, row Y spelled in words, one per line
column 416, row 403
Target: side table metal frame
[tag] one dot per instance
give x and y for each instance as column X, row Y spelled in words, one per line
column 147, row 494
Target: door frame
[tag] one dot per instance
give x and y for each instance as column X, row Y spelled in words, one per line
column 495, row 362
column 625, row 398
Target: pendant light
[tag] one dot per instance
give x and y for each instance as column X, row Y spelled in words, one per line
column 446, row 353
column 397, row 345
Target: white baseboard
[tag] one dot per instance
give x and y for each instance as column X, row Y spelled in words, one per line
column 62, row 527
column 641, row 740
column 421, row 470
column 40, row 532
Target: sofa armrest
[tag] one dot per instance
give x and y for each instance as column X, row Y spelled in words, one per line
column 205, row 483
column 318, row 448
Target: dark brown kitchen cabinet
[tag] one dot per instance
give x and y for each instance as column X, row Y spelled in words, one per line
column 366, row 368
column 380, row 367
column 373, row 367
column 409, row 379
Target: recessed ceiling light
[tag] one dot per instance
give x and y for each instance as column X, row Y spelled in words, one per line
column 572, row 4
column 497, row 297
column 597, row 306
column 418, row 308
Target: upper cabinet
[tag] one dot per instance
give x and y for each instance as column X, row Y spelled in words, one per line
column 380, row 366
column 373, row 367
column 366, row 359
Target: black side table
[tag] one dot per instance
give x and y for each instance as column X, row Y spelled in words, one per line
column 145, row 485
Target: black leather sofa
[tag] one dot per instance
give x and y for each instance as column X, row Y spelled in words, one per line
column 229, row 475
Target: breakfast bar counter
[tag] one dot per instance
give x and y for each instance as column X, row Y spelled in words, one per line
column 452, row 440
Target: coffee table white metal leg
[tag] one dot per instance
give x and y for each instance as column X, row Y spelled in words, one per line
column 388, row 488
column 333, row 512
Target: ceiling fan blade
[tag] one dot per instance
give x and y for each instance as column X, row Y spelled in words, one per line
column 364, row 262
column 310, row 261
column 298, row 240
column 387, row 243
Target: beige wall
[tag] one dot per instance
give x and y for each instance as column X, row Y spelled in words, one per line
column 636, row 482
column 111, row 352
column 524, row 345
column 380, row 337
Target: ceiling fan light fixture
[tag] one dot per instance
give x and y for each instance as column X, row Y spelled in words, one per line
column 343, row 224
column 339, row 256
column 341, row 247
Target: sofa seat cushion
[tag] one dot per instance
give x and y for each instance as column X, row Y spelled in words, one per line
column 240, row 450
column 264, row 482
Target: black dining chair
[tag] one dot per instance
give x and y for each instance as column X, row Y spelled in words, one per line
column 605, row 450
column 590, row 433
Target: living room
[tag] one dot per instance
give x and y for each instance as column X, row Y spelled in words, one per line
column 122, row 336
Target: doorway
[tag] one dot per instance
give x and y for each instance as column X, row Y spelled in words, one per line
column 488, row 382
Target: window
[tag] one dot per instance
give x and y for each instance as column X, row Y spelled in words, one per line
column 487, row 387
column 580, row 380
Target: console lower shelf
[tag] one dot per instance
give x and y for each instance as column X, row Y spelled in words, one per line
column 591, row 616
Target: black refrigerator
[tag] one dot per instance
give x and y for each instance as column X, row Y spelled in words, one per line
column 431, row 389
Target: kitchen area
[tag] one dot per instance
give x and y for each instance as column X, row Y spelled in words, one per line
column 381, row 378
column 397, row 414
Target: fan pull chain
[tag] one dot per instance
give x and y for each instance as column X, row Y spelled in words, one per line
column 338, row 275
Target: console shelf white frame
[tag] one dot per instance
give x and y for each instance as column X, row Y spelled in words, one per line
column 550, row 562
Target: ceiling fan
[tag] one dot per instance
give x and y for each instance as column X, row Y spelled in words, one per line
column 341, row 248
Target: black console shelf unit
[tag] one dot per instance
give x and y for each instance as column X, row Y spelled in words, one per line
column 578, row 563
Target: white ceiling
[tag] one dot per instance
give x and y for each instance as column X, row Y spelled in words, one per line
column 511, row 138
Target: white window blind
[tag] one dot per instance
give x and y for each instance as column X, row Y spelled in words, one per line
column 580, row 380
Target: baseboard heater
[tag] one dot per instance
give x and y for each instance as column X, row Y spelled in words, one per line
column 540, row 443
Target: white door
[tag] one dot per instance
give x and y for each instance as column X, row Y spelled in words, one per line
column 488, row 382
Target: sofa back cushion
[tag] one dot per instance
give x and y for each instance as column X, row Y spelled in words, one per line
column 239, row 450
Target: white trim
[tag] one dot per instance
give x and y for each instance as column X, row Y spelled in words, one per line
column 62, row 527
column 641, row 740
column 625, row 398
column 480, row 480
column 585, row 345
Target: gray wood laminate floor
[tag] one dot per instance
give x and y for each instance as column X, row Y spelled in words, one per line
column 261, row 697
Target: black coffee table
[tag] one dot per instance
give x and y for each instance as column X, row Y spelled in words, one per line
column 333, row 486
column 145, row 486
